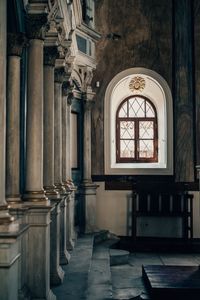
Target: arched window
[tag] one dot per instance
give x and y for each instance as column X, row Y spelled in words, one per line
column 136, row 131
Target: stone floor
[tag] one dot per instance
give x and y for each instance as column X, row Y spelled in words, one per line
column 89, row 275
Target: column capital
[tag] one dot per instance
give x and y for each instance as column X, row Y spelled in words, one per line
column 50, row 55
column 36, row 26
column 67, row 88
column 60, row 74
column 16, row 42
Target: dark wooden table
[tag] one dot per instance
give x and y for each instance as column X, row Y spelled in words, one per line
column 172, row 282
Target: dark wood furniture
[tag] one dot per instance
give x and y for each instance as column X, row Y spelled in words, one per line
column 172, row 282
column 162, row 200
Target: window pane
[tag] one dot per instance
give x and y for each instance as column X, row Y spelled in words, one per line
column 127, row 130
column 146, row 148
column 123, row 111
column 127, row 148
column 149, row 110
column 136, row 108
column 146, row 130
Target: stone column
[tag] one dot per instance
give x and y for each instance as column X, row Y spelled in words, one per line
column 89, row 188
column 15, row 47
column 38, row 252
column 4, row 215
column 34, row 150
column 50, row 54
column 59, row 76
column 67, row 101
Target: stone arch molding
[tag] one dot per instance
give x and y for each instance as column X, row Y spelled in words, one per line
column 139, row 81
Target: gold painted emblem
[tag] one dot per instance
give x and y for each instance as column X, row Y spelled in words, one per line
column 137, row 83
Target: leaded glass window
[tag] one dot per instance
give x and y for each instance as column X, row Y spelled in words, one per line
column 136, row 131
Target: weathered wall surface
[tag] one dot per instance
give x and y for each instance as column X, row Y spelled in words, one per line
column 145, row 28
column 157, row 35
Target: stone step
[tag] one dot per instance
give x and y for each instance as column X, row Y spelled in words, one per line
column 99, row 277
column 118, row 257
column 76, row 272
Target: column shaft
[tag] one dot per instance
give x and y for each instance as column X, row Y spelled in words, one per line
column 58, row 137
column 49, row 131
column 13, row 131
column 87, row 144
column 34, row 160
column 2, row 99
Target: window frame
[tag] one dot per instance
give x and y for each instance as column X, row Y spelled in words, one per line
column 136, row 121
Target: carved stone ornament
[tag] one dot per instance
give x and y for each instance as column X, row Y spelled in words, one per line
column 36, row 26
column 137, row 83
column 59, row 74
column 67, row 88
column 50, row 55
column 16, row 42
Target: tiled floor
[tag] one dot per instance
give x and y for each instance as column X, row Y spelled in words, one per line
column 127, row 279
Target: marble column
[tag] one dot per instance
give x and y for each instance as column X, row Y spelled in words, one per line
column 15, row 47
column 50, row 54
column 89, row 188
column 4, row 214
column 59, row 76
column 39, row 213
column 34, row 150
column 66, row 112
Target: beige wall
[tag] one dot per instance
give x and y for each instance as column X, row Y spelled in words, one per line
column 113, row 208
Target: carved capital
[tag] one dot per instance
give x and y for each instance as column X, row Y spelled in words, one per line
column 36, row 26
column 16, row 42
column 59, row 74
column 50, row 54
column 67, row 89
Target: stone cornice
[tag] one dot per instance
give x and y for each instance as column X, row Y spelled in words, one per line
column 50, row 55
column 16, row 42
column 36, row 26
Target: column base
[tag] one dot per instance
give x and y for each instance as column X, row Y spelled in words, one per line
column 5, row 217
column 51, row 193
column 60, row 188
column 70, row 244
column 36, row 196
column 64, row 257
column 13, row 198
column 57, row 278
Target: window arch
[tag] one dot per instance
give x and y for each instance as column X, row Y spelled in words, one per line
column 157, row 93
column 136, row 131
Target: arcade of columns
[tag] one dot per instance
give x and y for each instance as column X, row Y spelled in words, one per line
column 37, row 228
